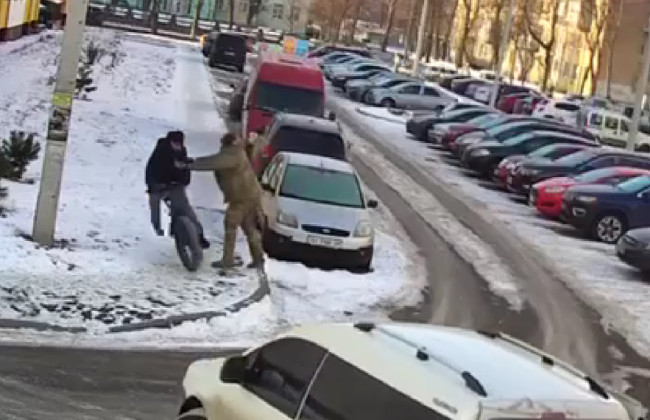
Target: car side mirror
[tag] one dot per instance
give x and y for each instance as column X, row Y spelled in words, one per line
column 233, row 370
column 373, row 204
column 331, row 116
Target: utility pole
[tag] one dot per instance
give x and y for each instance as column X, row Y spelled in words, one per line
column 641, row 86
column 420, row 43
column 503, row 48
column 59, row 124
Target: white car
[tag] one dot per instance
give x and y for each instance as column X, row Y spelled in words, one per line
column 315, row 211
column 559, row 110
column 390, row 371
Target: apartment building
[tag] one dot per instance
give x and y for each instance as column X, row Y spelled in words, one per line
column 16, row 17
column 625, row 52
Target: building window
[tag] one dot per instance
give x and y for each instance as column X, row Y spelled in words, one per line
column 218, row 5
column 296, row 14
column 278, row 11
column 243, row 7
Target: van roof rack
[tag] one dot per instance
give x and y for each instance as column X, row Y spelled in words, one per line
column 548, row 360
column 423, row 354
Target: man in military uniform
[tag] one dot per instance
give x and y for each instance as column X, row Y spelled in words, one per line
column 242, row 193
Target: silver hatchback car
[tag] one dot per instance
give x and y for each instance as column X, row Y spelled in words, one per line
column 411, row 95
column 316, row 212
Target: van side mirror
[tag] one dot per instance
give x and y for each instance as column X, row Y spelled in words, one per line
column 233, row 370
column 331, row 116
column 373, row 204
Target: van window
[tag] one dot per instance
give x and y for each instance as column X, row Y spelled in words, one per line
column 321, row 185
column 270, row 170
column 567, row 106
column 363, row 397
column 290, row 99
column 300, row 140
column 611, row 123
column 595, row 120
column 231, row 42
column 280, row 372
column 625, row 127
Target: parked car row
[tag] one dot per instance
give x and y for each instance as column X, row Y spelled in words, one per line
column 314, row 207
column 560, row 170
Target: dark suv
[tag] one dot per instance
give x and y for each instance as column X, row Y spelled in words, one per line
column 532, row 172
column 228, row 50
column 298, row 134
column 606, row 212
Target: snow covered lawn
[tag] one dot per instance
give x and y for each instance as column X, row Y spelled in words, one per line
column 108, row 267
column 591, row 269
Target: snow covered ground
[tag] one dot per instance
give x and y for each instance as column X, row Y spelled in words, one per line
column 591, row 269
column 108, row 267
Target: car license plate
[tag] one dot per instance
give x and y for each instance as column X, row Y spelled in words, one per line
column 324, row 242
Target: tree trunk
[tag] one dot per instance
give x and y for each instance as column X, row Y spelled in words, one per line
column 197, row 16
column 389, row 26
column 155, row 6
column 355, row 20
column 409, row 28
column 231, row 19
column 585, row 76
column 341, row 20
column 496, row 30
column 460, row 51
column 610, row 62
column 432, row 32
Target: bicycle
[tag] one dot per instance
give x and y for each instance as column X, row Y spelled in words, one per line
column 186, row 239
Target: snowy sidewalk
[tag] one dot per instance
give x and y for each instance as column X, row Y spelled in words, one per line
column 109, row 268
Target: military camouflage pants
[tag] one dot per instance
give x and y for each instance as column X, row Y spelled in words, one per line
column 245, row 215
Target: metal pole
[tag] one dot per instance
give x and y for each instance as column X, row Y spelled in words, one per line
column 420, row 43
column 59, row 123
column 505, row 40
column 641, row 86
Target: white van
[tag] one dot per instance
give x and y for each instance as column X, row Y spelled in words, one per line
column 389, row 371
column 612, row 129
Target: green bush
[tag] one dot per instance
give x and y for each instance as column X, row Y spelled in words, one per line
column 16, row 154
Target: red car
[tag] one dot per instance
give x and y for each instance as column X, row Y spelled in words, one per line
column 547, row 195
column 507, row 102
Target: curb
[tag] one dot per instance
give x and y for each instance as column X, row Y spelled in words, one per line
column 167, row 322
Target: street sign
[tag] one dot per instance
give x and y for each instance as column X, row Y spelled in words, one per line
column 290, row 45
column 302, row 48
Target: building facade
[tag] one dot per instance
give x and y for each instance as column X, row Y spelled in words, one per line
column 17, row 17
column 626, row 52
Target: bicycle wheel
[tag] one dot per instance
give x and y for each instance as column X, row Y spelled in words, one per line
column 187, row 243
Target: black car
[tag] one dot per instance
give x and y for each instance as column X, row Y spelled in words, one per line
column 587, row 160
column 419, row 126
column 448, row 81
column 634, row 249
column 330, row 48
column 606, row 212
column 361, row 71
column 228, row 50
column 485, row 156
column 299, row 134
column 515, row 127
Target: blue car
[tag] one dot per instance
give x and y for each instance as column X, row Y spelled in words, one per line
column 606, row 212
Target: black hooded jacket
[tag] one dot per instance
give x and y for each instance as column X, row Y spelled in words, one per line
column 161, row 168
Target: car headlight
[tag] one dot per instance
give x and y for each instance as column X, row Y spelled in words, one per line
column 364, row 230
column 586, row 199
column 480, row 152
column 556, row 190
column 287, row 219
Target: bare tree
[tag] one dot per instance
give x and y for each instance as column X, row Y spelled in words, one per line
column 470, row 11
column 197, row 16
column 549, row 11
column 495, row 9
column 613, row 26
column 254, row 9
column 231, row 17
column 392, row 6
column 343, row 9
column 594, row 40
column 358, row 4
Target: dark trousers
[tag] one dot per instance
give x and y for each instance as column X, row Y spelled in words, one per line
column 180, row 205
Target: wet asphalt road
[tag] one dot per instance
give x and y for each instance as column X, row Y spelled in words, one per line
column 57, row 383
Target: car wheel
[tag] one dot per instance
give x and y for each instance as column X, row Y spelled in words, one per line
column 267, row 242
column 387, row 103
column 193, row 414
column 609, row 227
column 364, row 98
column 645, row 148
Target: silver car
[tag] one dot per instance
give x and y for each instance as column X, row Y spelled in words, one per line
column 411, row 95
column 316, row 212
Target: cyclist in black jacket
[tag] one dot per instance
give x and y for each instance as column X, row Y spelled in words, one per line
column 166, row 181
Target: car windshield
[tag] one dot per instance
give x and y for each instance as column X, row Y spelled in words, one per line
column 635, row 184
column 300, row 140
column 321, row 185
column 595, row 175
column 484, row 119
column 576, row 158
column 543, row 151
column 290, row 99
column 512, row 141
